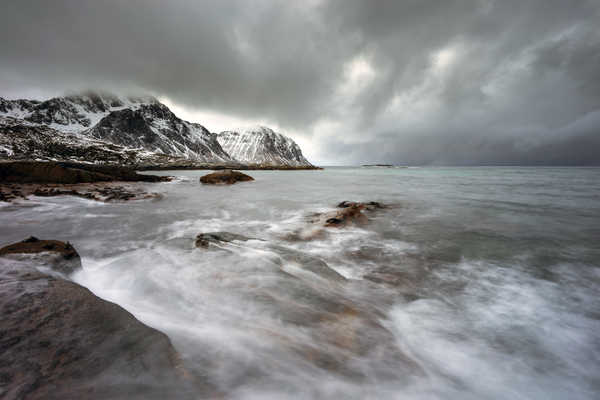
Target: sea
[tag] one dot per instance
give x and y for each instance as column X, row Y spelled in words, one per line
column 471, row 282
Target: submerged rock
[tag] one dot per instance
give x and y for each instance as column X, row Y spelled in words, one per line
column 287, row 255
column 371, row 205
column 321, row 322
column 349, row 213
column 59, row 256
column 204, row 239
column 227, row 177
column 58, row 340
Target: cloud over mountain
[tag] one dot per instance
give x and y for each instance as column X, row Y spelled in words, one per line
column 453, row 82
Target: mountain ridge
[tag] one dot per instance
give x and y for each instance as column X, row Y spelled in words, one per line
column 139, row 131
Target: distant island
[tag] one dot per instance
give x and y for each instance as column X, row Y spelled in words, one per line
column 384, row 165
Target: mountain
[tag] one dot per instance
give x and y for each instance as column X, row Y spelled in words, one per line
column 155, row 128
column 21, row 140
column 262, row 146
column 137, row 131
column 140, row 123
column 73, row 113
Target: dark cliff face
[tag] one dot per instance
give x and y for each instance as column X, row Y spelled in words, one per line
column 57, row 111
column 155, row 128
column 58, row 129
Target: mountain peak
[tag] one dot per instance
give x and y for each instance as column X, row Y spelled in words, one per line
column 262, row 145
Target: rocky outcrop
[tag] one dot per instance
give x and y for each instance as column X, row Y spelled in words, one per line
column 303, row 291
column 262, row 146
column 225, row 177
column 69, row 173
column 205, row 239
column 287, row 255
column 95, row 182
column 58, row 340
column 349, row 213
column 57, row 255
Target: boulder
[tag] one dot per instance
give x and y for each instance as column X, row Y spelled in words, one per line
column 57, row 255
column 226, row 177
column 58, row 340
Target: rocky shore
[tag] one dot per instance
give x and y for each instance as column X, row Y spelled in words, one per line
column 20, row 179
column 58, row 340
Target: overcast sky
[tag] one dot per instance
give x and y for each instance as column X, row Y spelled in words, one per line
column 405, row 81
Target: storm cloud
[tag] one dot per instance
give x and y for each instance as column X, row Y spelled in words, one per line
column 462, row 82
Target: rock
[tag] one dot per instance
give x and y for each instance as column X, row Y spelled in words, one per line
column 58, row 340
column 371, row 205
column 303, row 260
column 69, row 173
column 103, row 191
column 59, row 256
column 338, row 333
column 227, row 176
column 204, row 239
column 350, row 215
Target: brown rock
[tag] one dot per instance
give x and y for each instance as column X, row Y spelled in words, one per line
column 58, row 340
column 227, row 177
column 55, row 254
column 352, row 214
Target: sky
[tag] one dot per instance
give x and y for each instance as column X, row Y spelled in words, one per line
column 416, row 82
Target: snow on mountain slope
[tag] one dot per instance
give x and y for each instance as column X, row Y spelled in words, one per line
column 132, row 122
column 70, row 113
column 155, row 128
column 22, row 140
column 261, row 145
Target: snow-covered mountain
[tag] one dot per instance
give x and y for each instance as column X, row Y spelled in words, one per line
column 263, row 146
column 141, row 123
column 101, row 127
column 20, row 140
column 73, row 113
column 155, row 128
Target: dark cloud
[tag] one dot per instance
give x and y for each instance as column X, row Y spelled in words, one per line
column 457, row 81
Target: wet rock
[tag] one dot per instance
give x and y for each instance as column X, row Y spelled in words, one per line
column 69, row 173
column 58, row 340
column 287, row 255
column 320, row 321
column 350, row 215
column 371, row 205
column 101, row 191
column 204, row 239
column 227, row 177
column 59, row 256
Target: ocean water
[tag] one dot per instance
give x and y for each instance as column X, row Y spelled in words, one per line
column 473, row 283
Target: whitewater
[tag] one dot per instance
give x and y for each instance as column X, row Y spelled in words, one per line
column 472, row 283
